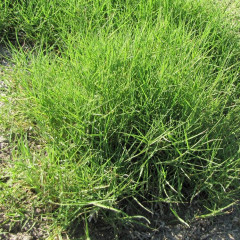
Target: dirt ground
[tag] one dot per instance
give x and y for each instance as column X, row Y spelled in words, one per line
column 224, row 227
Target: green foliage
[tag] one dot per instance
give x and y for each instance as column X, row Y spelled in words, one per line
column 130, row 99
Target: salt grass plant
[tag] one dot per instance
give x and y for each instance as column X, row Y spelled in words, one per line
column 129, row 101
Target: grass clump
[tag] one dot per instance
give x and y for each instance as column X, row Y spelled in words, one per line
column 127, row 100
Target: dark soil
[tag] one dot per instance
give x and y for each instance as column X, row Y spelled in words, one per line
column 222, row 227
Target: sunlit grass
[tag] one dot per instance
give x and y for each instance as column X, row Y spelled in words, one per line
column 128, row 100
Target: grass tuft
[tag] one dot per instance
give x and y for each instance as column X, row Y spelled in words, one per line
column 124, row 101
